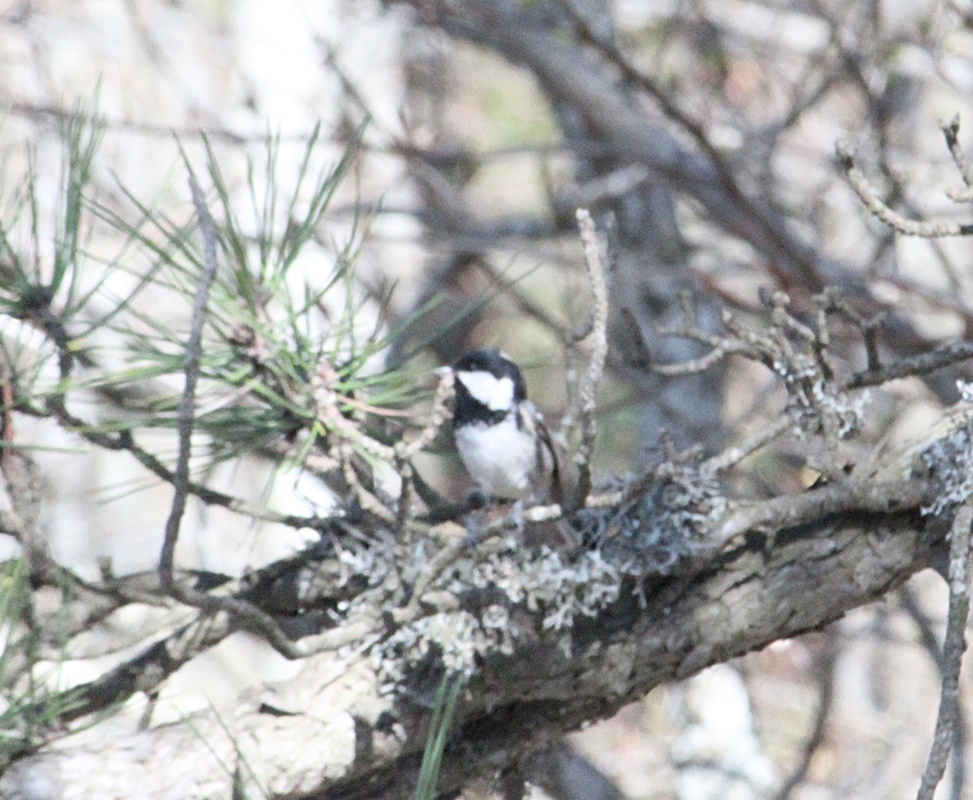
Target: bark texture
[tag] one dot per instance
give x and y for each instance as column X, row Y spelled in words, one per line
column 340, row 729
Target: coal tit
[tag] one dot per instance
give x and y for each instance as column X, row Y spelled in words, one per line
column 500, row 435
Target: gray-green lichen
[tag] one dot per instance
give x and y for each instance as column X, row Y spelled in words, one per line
column 949, row 459
column 508, row 593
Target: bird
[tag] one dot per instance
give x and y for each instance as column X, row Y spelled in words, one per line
column 500, row 434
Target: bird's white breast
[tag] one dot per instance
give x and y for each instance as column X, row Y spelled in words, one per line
column 501, row 458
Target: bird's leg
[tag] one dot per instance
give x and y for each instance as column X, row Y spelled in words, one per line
column 516, row 516
column 476, row 519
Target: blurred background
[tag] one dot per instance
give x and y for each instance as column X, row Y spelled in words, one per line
column 701, row 131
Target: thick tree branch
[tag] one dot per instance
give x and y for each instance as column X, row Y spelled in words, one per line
column 843, row 549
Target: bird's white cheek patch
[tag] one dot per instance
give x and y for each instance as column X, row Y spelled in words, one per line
column 497, row 394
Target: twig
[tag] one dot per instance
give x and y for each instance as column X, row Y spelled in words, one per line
column 916, row 365
column 150, row 667
column 703, row 363
column 732, row 456
column 647, row 84
column 405, row 450
column 520, row 298
column 611, row 186
column 351, row 438
column 596, row 260
column 125, row 441
column 368, row 501
column 185, row 413
column 862, row 494
column 870, row 198
column 618, row 497
column 953, row 646
column 951, row 132
column 438, row 416
column 927, row 637
column 831, row 300
column 328, row 410
column 927, row 633
column 689, row 328
column 55, row 405
column 241, row 611
column 451, row 552
column 777, row 302
column 403, row 508
column 773, row 345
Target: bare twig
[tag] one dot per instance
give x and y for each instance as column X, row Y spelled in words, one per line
column 732, row 456
column 610, row 186
column 773, row 345
column 921, row 364
column 329, row 411
column 403, row 507
column 930, row 643
column 953, row 647
column 703, row 363
column 368, row 501
column 596, row 260
column 438, row 416
column 720, row 345
column 185, row 414
column 405, row 449
column 349, row 438
column 694, row 128
column 125, row 441
column 528, row 306
column 831, row 300
column 865, row 494
column 655, row 473
column 951, row 132
column 247, row 614
column 870, row 198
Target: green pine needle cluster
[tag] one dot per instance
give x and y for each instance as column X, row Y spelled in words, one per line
column 274, row 325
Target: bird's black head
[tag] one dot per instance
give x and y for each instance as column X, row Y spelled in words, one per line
column 488, row 386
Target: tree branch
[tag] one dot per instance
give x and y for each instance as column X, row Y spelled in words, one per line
column 832, row 552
